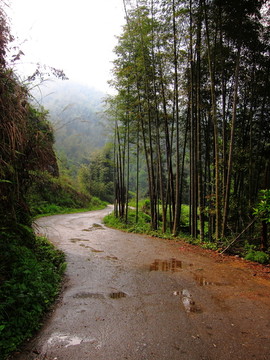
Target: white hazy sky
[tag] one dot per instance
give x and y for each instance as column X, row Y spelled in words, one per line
column 75, row 36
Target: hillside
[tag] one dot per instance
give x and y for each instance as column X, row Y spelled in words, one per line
column 75, row 111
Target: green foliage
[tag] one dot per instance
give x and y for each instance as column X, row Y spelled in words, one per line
column 50, row 195
column 96, row 179
column 132, row 201
column 30, row 280
column 143, row 225
column 257, row 256
column 184, row 215
column 146, row 207
column 210, row 245
column 262, row 210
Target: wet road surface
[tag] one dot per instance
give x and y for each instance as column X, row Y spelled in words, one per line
column 134, row 297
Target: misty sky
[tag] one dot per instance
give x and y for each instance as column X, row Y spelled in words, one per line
column 76, row 36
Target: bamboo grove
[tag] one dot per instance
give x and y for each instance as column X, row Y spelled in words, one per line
column 192, row 104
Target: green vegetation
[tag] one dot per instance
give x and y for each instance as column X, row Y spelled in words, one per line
column 49, row 195
column 31, row 274
column 191, row 112
column 140, row 227
column 96, row 178
column 257, row 256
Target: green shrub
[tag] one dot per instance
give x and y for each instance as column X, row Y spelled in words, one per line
column 30, row 280
column 258, row 256
column 142, row 226
column 49, row 195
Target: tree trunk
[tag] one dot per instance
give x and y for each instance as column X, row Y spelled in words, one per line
column 230, row 159
column 215, row 126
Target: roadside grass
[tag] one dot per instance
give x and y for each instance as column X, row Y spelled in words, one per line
column 50, row 196
column 143, row 225
column 47, row 209
column 253, row 254
column 31, row 274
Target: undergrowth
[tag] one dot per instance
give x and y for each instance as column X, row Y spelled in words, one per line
column 253, row 254
column 47, row 209
column 49, row 195
column 31, row 272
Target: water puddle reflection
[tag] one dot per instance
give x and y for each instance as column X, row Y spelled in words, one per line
column 202, row 281
column 172, row 265
column 187, row 301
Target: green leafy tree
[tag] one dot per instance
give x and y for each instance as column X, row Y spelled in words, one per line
column 96, row 179
column 262, row 211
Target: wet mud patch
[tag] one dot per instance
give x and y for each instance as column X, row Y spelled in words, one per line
column 202, row 281
column 94, row 227
column 87, row 295
column 96, row 251
column 85, row 246
column 117, row 295
column 75, row 240
column 110, row 258
column 171, row 265
column 189, row 304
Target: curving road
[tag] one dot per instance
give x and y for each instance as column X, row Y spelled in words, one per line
column 140, row 298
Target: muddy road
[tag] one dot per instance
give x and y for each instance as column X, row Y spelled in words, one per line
column 135, row 297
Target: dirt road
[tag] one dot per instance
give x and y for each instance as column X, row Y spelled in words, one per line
column 134, row 297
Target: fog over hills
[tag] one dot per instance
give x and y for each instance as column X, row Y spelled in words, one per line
column 76, row 112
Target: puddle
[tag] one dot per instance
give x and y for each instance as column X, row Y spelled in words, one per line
column 67, row 340
column 117, row 295
column 85, row 295
column 94, row 227
column 201, row 280
column 110, row 258
column 74, row 240
column 188, row 302
column 172, row 265
column 85, row 246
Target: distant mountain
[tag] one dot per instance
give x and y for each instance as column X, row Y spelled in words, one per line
column 75, row 111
